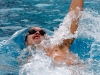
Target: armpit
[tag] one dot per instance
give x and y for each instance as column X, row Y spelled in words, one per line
column 68, row 42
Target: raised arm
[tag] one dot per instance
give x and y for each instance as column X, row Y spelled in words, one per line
column 68, row 24
column 74, row 7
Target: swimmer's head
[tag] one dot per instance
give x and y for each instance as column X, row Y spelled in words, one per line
column 34, row 35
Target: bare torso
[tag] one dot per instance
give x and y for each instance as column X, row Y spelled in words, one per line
column 61, row 53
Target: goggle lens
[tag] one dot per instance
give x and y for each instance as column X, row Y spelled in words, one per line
column 33, row 31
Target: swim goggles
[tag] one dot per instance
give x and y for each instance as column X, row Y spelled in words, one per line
column 33, row 31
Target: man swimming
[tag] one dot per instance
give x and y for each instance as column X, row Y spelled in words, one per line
column 59, row 52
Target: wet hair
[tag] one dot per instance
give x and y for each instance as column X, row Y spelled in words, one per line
column 26, row 37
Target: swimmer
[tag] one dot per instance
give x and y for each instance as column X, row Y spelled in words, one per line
column 60, row 52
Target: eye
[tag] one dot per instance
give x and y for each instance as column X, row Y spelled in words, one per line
column 32, row 31
column 42, row 32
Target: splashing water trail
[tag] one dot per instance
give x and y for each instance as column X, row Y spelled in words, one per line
column 89, row 27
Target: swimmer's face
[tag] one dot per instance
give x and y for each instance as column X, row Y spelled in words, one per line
column 35, row 36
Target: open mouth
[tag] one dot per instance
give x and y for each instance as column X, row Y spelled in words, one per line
column 36, row 37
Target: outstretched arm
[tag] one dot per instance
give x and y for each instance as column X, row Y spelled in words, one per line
column 73, row 7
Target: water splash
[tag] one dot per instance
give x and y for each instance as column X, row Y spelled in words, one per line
column 63, row 32
column 42, row 64
column 89, row 28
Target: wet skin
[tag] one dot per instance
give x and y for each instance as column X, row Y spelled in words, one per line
column 61, row 52
column 57, row 53
column 34, row 38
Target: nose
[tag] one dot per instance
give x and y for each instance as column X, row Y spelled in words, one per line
column 37, row 33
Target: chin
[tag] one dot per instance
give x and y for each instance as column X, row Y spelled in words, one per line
column 38, row 42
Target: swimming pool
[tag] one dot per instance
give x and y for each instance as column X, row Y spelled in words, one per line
column 17, row 16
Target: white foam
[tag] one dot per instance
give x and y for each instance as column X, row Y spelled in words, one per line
column 42, row 65
column 89, row 26
column 63, row 32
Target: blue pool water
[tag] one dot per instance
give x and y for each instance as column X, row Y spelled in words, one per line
column 16, row 16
